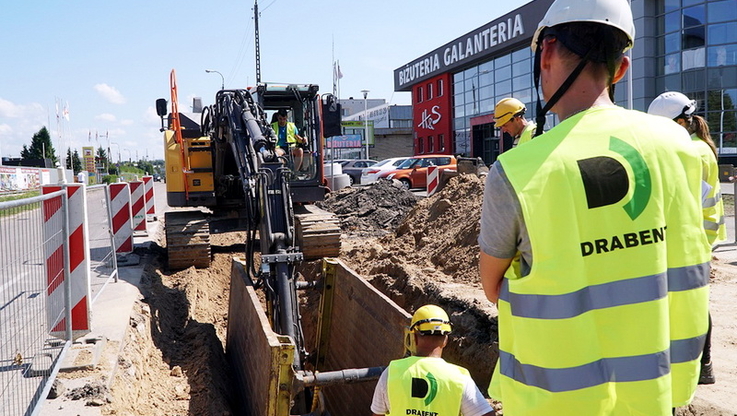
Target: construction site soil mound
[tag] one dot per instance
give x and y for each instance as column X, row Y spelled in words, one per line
column 173, row 361
column 432, row 257
column 370, row 210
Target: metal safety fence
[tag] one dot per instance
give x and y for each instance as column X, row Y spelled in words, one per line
column 34, row 299
column 103, row 262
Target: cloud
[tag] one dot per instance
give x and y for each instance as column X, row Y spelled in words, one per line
column 150, row 117
column 110, row 93
column 127, row 122
column 106, row 117
column 11, row 110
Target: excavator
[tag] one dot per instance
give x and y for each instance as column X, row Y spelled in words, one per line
column 225, row 164
column 221, row 156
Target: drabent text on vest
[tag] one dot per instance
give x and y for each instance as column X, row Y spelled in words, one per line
column 627, row 240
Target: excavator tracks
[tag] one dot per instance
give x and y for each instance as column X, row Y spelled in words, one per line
column 187, row 239
column 318, row 232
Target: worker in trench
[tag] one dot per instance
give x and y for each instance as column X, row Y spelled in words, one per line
column 424, row 384
column 609, row 312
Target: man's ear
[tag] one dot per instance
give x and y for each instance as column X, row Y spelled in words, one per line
column 549, row 44
column 619, row 74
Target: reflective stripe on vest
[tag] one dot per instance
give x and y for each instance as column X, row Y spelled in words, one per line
column 618, row 289
column 606, row 295
column 425, row 384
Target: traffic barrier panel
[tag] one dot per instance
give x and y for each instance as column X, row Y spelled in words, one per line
column 138, row 206
column 120, row 198
column 79, row 271
column 432, row 180
column 148, row 182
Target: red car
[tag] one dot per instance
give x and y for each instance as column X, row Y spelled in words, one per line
column 413, row 171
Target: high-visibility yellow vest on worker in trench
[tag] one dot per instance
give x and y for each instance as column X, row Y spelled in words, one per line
column 611, row 318
column 425, row 384
column 713, row 207
column 291, row 133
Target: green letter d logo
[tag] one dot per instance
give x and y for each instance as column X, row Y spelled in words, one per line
column 606, row 182
column 425, row 388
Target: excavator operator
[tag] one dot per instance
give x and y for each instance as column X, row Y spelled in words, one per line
column 288, row 139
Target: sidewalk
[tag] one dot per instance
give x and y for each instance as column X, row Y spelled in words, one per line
column 92, row 360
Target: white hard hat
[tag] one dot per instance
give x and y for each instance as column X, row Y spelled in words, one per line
column 672, row 104
column 616, row 13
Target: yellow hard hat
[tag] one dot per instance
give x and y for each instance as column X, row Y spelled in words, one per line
column 507, row 108
column 431, row 320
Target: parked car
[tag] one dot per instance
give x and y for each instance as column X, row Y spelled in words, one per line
column 371, row 174
column 354, row 167
column 413, row 171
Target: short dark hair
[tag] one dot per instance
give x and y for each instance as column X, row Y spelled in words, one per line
column 282, row 112
column 603, row 43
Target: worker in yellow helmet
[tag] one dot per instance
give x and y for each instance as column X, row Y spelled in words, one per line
column 509, row 116
column 609, row 313
column 424, row 383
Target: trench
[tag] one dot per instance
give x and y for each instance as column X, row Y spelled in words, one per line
column 174, row 360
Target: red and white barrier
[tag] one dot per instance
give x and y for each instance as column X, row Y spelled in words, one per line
column 120, row 198
column 432, row 180
column 148, row 183
column 138, row 206
column 79, row 270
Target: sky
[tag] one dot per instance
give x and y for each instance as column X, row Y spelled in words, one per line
column 101, row 65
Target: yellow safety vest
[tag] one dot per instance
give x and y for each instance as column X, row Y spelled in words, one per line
column 527, row 132
column 713, row 208
column 611, row 318
column 291, row 133
column 425, row 384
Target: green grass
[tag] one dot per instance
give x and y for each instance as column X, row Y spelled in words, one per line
column 13, row 197
column 28, row 194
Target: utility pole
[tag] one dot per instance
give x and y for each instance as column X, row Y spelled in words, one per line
column 258, row 50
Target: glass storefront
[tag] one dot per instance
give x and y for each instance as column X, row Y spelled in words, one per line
column 697, row 55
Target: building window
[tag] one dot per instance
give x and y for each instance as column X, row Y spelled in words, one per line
column 441, row 143
column 430, row 144
column 440, row 88
column 420, row 145
column 429, row 91
column 418, row 91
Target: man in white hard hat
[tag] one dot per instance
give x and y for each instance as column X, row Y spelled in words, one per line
column 509, row 116
column 607, row 316
column 424, row 383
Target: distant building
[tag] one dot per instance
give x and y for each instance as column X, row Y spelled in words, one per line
column 392, row 128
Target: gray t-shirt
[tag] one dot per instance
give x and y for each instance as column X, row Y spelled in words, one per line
column 503, row 231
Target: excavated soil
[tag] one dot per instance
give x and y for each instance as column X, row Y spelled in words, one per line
column 414, row 250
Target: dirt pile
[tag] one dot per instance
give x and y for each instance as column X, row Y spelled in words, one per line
column 374, row 210
column 173, row 361
column 432, row 257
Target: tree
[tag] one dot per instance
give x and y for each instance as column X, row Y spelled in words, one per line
column 41, row 147
column 73, row 161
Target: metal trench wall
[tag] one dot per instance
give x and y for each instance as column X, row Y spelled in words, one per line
column 358, row 327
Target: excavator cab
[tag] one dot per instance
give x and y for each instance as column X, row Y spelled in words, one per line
column 302, row 104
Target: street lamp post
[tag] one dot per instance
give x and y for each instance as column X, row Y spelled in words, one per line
column 113, row 143
column 130, row 160
column 365, row 120
column 222, row 78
